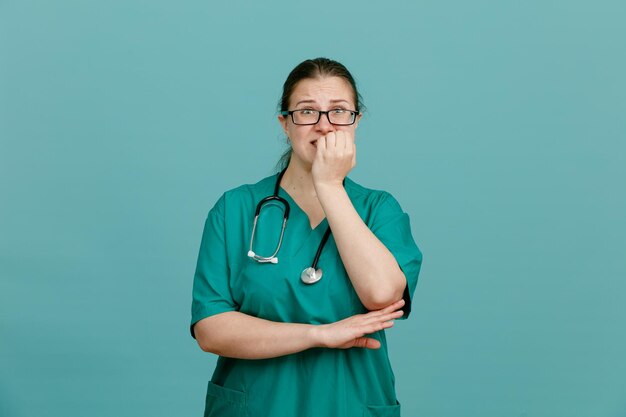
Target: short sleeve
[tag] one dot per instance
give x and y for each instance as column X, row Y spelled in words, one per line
column 392, row 227
column 211, row 287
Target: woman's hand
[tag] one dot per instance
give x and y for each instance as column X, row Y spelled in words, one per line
column 335, row 157
column 350, row 332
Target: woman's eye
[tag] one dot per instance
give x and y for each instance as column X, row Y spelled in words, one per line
column 307, row 112
column 338, row 111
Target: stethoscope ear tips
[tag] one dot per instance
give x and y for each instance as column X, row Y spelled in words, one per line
column 274, row 260
column 251, row 254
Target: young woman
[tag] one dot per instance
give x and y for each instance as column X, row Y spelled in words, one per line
column 294, row 294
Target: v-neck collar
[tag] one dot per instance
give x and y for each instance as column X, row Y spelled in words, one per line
column 293, row 204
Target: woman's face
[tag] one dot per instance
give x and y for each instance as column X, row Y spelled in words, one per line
column 324, row 94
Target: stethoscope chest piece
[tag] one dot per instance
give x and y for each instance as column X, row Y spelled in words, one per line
column 310, row 275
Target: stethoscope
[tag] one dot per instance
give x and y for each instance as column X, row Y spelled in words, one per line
column 309, row 275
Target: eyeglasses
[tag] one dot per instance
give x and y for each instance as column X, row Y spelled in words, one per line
column 340, row 117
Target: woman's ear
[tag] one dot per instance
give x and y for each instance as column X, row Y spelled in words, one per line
column 283, row 123
column 358, row 118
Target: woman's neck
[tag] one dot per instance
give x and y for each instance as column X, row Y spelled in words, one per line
column 298, row 180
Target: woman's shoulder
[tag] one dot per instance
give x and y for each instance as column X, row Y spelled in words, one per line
column 365, row 195
column 242, row 198
column 249, row 193
column 260, row 186
column 374, row 206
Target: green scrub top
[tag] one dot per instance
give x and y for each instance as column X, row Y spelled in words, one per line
column 316, row 382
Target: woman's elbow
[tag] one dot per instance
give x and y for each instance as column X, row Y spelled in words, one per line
column 380, row 303
column 204, row 346
column 205, row 335
column 202, row 340
column 214, row 333
column 382, row 298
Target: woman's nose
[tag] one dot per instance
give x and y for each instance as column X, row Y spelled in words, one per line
column 323, row 124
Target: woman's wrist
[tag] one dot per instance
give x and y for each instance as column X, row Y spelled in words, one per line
column 316, row 335
column 331, row 195
column 328, row 186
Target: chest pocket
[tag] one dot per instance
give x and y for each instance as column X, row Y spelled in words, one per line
column 275, row 291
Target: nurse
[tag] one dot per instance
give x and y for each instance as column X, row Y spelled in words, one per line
column 288, row 347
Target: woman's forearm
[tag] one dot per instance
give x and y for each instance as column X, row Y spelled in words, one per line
column 238, row 335
column 373, row 270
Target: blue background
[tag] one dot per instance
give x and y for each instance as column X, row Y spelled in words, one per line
column 498, row 125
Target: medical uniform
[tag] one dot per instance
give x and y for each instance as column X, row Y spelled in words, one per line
column 317, row 382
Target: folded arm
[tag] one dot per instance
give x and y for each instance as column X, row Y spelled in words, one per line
column 237, row 335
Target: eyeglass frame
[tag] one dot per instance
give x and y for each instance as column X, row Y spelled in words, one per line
column 354, row 113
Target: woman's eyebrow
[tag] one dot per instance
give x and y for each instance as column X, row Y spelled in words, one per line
column 305, row 101
column 313, row 101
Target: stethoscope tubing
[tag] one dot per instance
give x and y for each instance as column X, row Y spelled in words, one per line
column 273, row 258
